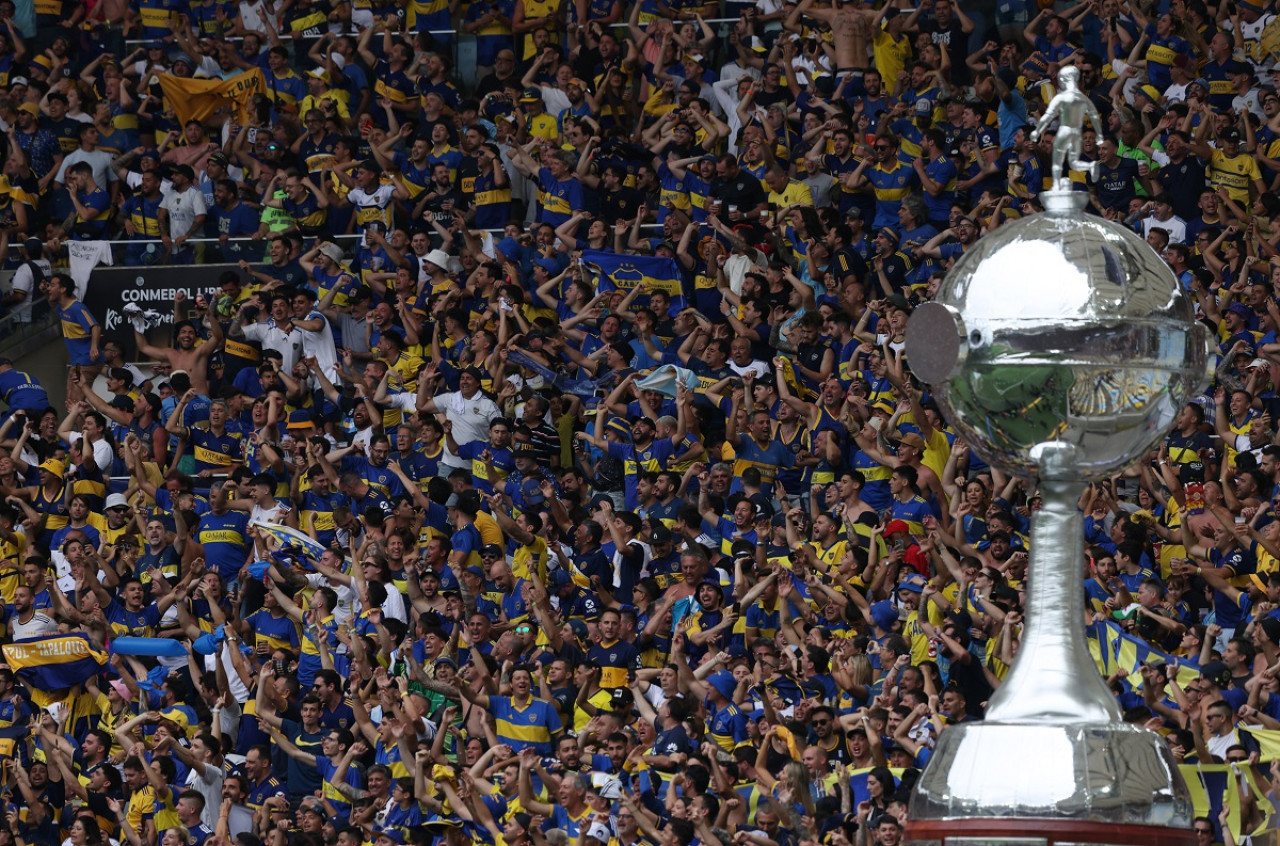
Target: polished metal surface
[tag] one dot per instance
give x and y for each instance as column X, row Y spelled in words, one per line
column 1054, row 679
column 1069, row 328
column 1059, row 346
column 1113, row 773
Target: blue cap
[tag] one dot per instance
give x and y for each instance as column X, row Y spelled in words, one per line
column 549, row 265
column 532, row 491
column 913, row 584
column 511, row 248
column 884, row 614
column 724, row 683
column 258, row 569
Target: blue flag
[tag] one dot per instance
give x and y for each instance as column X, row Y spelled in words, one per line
column 614, row 272
column 53, row 663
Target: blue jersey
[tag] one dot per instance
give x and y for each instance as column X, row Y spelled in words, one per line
column 77, row 330
column 215, row 452
column 913, row 512
column 533, row 726
column 635, row 460
column 21, row 391
column 225, row 541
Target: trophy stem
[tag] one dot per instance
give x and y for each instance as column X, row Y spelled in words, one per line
column 1054, row 679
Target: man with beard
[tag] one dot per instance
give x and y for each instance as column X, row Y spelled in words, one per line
column 188, row 353
column 182, row 214
column 442, row 199
column 615, row 200
column 951, row 243
column 142, row 222
column 414, row 168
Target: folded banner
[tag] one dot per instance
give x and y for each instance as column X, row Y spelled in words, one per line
column 52, row 663
column 618, row 272
column 287, row 537
column 667, row 378
column 200, row 99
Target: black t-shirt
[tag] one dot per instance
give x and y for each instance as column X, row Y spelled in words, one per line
column 955, row 41
column 619, row 205
column 673, row 741
column 1115, row 184
column 743, row 191
column 436, row 205
column 1182, row 182
column 491, row 83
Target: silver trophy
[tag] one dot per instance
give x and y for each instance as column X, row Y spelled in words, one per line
column 1059, row 346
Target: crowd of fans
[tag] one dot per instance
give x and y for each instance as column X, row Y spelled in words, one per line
column 689, row 560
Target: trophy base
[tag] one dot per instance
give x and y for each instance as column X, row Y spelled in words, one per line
column 1007, row 784
column 1033, row 832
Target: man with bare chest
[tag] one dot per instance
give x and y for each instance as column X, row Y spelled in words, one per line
column 849, row 28
column 186, row 354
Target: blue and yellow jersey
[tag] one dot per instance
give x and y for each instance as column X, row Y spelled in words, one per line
column 225, row 541
column 532, row 726
column 77, row 330
column 215, row 452
column 276, row 632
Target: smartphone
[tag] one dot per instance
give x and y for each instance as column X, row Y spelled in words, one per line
column 253, row 135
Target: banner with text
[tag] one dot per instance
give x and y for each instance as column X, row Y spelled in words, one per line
column 113, row 288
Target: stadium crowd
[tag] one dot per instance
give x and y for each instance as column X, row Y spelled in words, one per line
column 435, row 536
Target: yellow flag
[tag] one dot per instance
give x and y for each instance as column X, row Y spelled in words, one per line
column 200, row 99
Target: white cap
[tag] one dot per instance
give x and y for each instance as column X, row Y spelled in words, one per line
column 337, row 59
column 439, row 258
column 600, row 832
column 332, row 250
column 116, row 500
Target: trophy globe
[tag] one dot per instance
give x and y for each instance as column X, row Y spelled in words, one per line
column 1059, row 346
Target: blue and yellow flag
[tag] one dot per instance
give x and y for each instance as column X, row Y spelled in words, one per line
column 287, row 536
column 1113, row 648
column 1214, row 785
column 52, row 663
column 614, row 272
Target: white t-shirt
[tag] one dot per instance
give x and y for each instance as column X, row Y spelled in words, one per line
column 320, row 345
column 367, row 201
column 102, row 452
column 39, row 624
column 183, row 208
column 210, row 787
column 24, row 280
column 346, row 597
column 470, row 417
column 1175, row 226
column 288, row 344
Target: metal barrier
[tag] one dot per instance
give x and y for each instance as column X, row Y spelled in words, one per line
column 137, row 42
column 247, row 249
column 28, row 328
